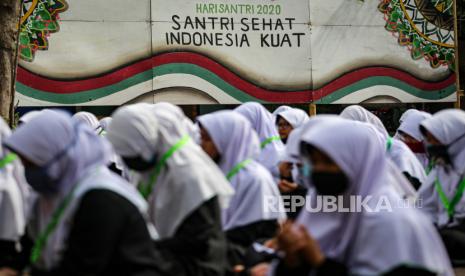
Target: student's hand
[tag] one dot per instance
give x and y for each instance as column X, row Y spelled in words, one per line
column 260, row 269
column 285, row 169
column 271, row 243
column 286, row 186
column 8, row 272
column 238, row 269
column 291, row 243
column 299, row 246
column 311, row 252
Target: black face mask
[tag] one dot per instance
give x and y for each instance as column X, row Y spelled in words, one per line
column 327, row 184
column 438, row 152
column 138, row 164
column 40, row 181
column 217, row 159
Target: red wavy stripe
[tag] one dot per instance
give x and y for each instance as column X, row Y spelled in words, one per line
column 67, row 87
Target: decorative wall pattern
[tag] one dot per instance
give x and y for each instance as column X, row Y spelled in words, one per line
column 110, row 52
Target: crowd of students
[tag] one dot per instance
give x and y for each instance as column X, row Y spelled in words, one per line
column 237, row 192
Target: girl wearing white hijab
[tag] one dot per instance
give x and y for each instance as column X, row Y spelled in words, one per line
column 86, row 218
column 409, row 133
column 442, row 194
column 116, row 164
column 184, row 188
column 271, row 146
column 289, row 120
column 14, row 196
column 290, row 184
column 397, row 151
column 229, row 138
column 395, row 240
column 292, row 156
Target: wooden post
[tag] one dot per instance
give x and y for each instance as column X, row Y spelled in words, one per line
column 457, row 57
column 312, row 109
column 9, row 34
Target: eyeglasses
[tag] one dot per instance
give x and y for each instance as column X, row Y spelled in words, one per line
column 284, row 126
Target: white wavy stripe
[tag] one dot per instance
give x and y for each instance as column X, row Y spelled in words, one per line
column 159, row 82
column 387, row 91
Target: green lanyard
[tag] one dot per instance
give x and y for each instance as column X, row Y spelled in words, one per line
column 102, row 132
column 146, row 189
column 9, row 158
column 450, row 205
column 237, row 168
column 43, row 237
column 269, row 140
column 389, row 144
column 430, row 167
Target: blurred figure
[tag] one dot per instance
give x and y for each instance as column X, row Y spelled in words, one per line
column 187, row 123
column 28, row 116
column 409, row 133
column 262, row 122
column 228, row 138
column 292, row 183
column 399, row 153
column 104, row 123
column 14, row 196
column 90, row 120
column 442, row 195
column 343, row 159
column 86, row 218
column 184, row 188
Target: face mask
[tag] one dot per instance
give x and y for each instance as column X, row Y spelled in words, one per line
column 40, row 181
column 306, row 169
column 438, row 153
column 416, row 147
column 441, row 152
column 304, row 172
column 138, row 164
column 329, row 183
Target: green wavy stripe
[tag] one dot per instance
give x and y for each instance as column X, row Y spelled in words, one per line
column 388, row 81
column 241, row 96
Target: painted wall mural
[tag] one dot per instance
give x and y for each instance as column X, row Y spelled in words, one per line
column 39, row 19
column 111, row 52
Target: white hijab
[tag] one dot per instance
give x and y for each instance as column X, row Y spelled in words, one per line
column 280, row 109
column 292, row 153
column 29, row 116
column 191, row 128
column 295, row 117
column 411, row 126
column 398, row 152
column 105, row 122
column 189, row 177
column 14, row 194
column 358, row 239
column 448, row 126
column 237, row 142
column 263, row 123
column 89, row 119
column 406, row 114
column 77, row 158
